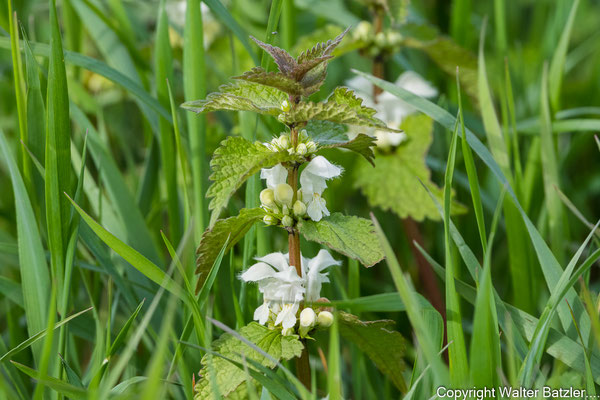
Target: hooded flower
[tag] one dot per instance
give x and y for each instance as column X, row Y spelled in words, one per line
column 391, row 109
column 312, row 184
column 283, row 289
column 312, row 270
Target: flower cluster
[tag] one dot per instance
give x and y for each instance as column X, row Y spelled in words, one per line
column 305, row 147
column 376, row 43
column 283, row 290
column 283, row 205
column 389, row 108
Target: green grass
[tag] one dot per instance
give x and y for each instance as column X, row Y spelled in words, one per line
column 104, row 182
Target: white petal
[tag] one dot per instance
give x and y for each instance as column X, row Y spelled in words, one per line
column 415, row 83
column 278, row 260
column 274, row 176
column 313, row 177
column 287, row 316
column 321, row 261
column 316, row 208
column 257, row 272
column 261, row 314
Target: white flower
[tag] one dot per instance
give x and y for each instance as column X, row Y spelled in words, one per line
column 312, row 270
column 391, row 109
column 274, row 176
column 313, row 182
column 283, row 289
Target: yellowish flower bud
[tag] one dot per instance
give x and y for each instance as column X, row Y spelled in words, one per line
column 285, row 106
column 301, row 149
column 380, row 39
column 284, row 194
column 270, row 220
column 299, row 208
column 284, row 141
column 287, row 221
column 311, row 147
column 325, row 319
column 303, row 134
column 267, row 198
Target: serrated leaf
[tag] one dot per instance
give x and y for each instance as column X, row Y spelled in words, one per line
column 322, row 35
column 235, row 161
column 229, row 377
column 330, row 135
column 285, row 62
column 349, row 235
column 241, row 96
column 321, row 50
column 214, row 238
column 342, row 107
column 325, row 132
column 380, row 342
column 277, row 80
column 394, row 182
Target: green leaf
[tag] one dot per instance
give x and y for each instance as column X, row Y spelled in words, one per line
column 330, row 135
column 34, row 338
column 228, row 376
column 342, row 107
column 277, row 80
column 214, row 238
column 241, row 96
column 233, row 162
column 362, row 144
column 58, row 152
column 59, row 386
column 394, row 182
column 285, row 62
column 35, row 280
column 558, row 59
column 348, row 235
column 380, row 342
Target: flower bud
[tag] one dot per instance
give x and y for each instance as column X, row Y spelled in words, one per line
column 301, row 149
column 283, row 141
column 287, row 221
column 269, row 220
column 284, row 194
column 311, row 147
column 303, row 134
column 362, row 30
column 285, row 106
column 380, row 40
column 325, row 319
column 267, row 198
column 308, row 318
column 287, row 331
column 281, row 118
column 299, row 208
column 299, row 194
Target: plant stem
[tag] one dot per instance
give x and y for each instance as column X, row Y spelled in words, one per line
column 302, row 364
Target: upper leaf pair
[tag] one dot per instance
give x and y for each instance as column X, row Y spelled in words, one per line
column 297, row 77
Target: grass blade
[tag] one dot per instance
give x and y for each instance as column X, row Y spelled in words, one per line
column 557, row 64
column 35, row 281
column 58, row 153
column 550, row 174
column 163, row 65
